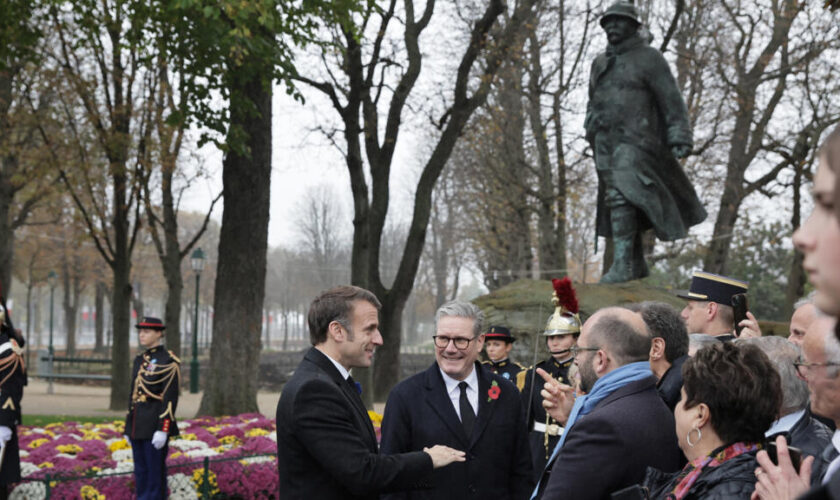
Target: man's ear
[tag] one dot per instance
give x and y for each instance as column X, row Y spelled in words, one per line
column 335, row 331
column 657, row 348
column 711, row 310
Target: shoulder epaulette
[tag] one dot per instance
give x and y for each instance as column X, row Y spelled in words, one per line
column 520, row 380
column 176, row 358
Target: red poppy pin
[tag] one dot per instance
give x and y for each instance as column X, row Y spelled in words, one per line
column 493, row 392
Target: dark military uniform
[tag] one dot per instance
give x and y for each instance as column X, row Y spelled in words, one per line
column 508, row 369
column 12, row 380
column 536, row 412
column 154, row 398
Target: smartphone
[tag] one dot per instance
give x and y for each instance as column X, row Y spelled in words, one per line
column 795, row 455
column 740, row 307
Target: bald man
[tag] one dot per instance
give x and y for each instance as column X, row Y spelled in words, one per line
column 621, row 426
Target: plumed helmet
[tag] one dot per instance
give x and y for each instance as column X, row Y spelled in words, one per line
column 622, row 9
column 565, row 319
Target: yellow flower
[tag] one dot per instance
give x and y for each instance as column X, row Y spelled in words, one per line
column 231, row 440
column 176, row 454
column 375, row 418
column 214, row 429
column 72, row 449
column 38, row 442
column 122, row 444
column 46, row 465
column 188, row 436
column 88, row 492
column 198, row 481
column 256, row 431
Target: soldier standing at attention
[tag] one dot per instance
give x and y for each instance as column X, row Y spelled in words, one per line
column 497, row 343
column 151, row 410
column 12, row 380
column 561, row 333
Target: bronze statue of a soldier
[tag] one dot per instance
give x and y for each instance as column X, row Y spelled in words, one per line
column 637, row 124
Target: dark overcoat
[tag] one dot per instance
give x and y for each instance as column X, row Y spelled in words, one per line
column 611, row 447
column 419, row 413
column 326, row 445
column 635, row 115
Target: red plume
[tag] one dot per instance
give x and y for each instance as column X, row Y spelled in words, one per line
column 566, row 294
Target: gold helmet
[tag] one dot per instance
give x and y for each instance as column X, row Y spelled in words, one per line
column 565, row 319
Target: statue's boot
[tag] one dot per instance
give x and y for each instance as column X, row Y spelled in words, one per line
column 640, row 267
column 624, row 225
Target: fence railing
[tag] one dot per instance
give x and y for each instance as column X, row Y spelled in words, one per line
column 185, row 480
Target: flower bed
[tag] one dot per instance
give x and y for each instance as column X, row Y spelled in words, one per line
column 99, row 458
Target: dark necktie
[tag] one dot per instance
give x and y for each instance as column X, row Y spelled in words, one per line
column 467, row 413
column 353, row 385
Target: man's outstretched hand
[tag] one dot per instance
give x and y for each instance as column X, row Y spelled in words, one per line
column 444, row 455
column 558, row 398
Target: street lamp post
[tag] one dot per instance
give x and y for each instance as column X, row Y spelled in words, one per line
column 197, row 263
column 52, row 278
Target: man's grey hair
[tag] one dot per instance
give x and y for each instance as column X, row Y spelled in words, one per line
column 804, row 301
column 832, row 352
column 783, row 354
column 461, row 309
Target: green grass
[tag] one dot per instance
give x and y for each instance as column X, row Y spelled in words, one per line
column 42, row 420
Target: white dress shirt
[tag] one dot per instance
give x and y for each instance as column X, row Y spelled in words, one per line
column 338, row 366
column 455, row 392
column 785, row 423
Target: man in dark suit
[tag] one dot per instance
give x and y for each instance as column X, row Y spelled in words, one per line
column 621, row 426
column 460, row 404
column 326, row 444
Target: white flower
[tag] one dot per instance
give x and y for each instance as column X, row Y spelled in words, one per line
column 258, row 460
column 181, row 487
column 28, row 490
column 27, row 468
column 23, row 453
column 183, row 425
column 273, row 436
column 121, row 455
column 185, row 444
column 205, row 452
column 121, row 467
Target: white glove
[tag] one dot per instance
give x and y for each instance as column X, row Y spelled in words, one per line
column 5, row 434
column 159, row 439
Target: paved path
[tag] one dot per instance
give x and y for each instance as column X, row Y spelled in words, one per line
column 68, row 399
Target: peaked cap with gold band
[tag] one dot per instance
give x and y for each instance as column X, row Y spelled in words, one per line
column 565, row 319
column 710, row 287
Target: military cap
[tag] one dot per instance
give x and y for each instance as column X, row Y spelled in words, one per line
column 713, row 288
column 499, row 333
column 621, row 9
column 150, row 323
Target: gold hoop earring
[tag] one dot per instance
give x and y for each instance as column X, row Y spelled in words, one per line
column 688, row 436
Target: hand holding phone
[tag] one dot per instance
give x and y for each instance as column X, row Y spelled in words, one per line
column 740, row 308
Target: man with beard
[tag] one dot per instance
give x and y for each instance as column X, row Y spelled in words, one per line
column 620, row 426
column 460, row 404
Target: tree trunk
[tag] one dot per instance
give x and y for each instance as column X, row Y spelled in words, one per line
column 243, row 240
column 387, row 367
column 120, row 328
column 7, row 233
column 796, row 277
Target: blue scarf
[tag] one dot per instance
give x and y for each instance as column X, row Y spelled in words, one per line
column 603, row 387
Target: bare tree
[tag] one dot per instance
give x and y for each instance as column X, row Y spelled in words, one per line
column 356, row 84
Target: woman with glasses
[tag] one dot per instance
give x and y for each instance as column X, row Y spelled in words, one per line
column 731, row 394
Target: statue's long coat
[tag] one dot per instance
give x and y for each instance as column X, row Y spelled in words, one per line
column 634, row 116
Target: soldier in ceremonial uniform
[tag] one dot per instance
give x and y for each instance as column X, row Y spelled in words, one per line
column 497, row 343
column 708, row 308
column 561, row 333
column 12, row 380
column 151, row 410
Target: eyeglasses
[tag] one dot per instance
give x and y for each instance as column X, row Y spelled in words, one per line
column 802, row 368
column 460, row 343
column 575, row 350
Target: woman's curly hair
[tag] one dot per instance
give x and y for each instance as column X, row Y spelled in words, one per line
column 740, row 386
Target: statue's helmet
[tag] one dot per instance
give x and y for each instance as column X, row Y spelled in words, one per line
column 622, row 9
column 565, row 319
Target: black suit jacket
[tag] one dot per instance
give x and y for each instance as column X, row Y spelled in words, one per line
column 611, row 447
column 326, row 446
column 419, row 413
